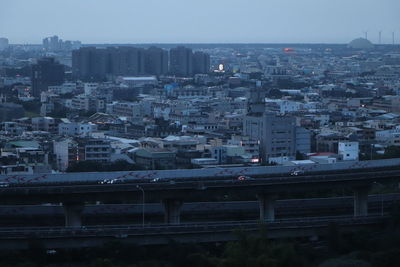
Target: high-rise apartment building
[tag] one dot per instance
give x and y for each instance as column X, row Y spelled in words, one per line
column 181, row 61
column 47, row 72
column 53, row 43
column 90, row 64
column 94, row 64
column 3, row 43
column 156, row 61
column 201, row 62
column 128, row 61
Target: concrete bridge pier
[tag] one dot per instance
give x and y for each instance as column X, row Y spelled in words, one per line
column 73, row 214
column 267, row 206
column 172, row 211
column 361, row 201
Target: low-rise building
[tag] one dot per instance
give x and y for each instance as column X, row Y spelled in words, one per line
column 155, row 158
column 135, row 82
column 76, row 129
column 348, row 150
column 47, row 124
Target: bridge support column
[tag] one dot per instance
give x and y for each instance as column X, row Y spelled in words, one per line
column 73, row 214
column 267, row 206
column 361, row 201
column 172, row 211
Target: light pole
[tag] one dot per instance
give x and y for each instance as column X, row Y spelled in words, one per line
column 381, row 185
column 143, row 203
column 371, row 150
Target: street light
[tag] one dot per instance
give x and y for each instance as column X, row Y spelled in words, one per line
column 381, row 185
column 143, row 203
column 371, row 146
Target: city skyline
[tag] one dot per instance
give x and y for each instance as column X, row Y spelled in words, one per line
column 175, row 21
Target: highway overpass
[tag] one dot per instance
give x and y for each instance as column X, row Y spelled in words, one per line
column 112, row 214
column 205, row 173
column 60, row 237
column 173, row 193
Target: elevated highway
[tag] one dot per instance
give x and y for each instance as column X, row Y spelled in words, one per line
column 60, row 237
column 172, row 193
column 53, row 193
column 198, row 174
column 108, row 214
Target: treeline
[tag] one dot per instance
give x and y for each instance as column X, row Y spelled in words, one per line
column 390, row 153
column 362, row 249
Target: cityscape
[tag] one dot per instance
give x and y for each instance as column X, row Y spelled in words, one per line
column 158, row 108
column 200, row 153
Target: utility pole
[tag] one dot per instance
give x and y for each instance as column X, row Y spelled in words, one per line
column 371, row 150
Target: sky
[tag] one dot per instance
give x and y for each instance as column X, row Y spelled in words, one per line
column 199, row 21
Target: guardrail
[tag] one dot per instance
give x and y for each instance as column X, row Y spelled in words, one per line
column 194, row 173
column 204, row 185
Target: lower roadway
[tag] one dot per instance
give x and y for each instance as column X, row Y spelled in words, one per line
column 61, row 237
column 108, row 214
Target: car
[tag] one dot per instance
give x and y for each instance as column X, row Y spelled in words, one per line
column 4, row 184
column 244, row 178
column 297, row 172
column 105, row 181
column 51, row 251
column 112, row 181
column 155, row 180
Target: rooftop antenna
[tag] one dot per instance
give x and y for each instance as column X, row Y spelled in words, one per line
column 380, row 37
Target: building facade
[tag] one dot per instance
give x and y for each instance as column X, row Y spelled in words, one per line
column 156, row 61
column 47, row 72
column 201, row 62
column 276, row 134
column 181, row 61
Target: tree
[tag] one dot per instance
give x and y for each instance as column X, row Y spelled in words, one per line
column 260, row 251
column 31, row 106
column 392, row 152
column 338, row 262
column 299, row 155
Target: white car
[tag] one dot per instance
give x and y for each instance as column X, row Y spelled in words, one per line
column 296, row 173
column 244, row 178
column 4, row 184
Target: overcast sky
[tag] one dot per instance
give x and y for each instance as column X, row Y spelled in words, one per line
column 199, row 21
